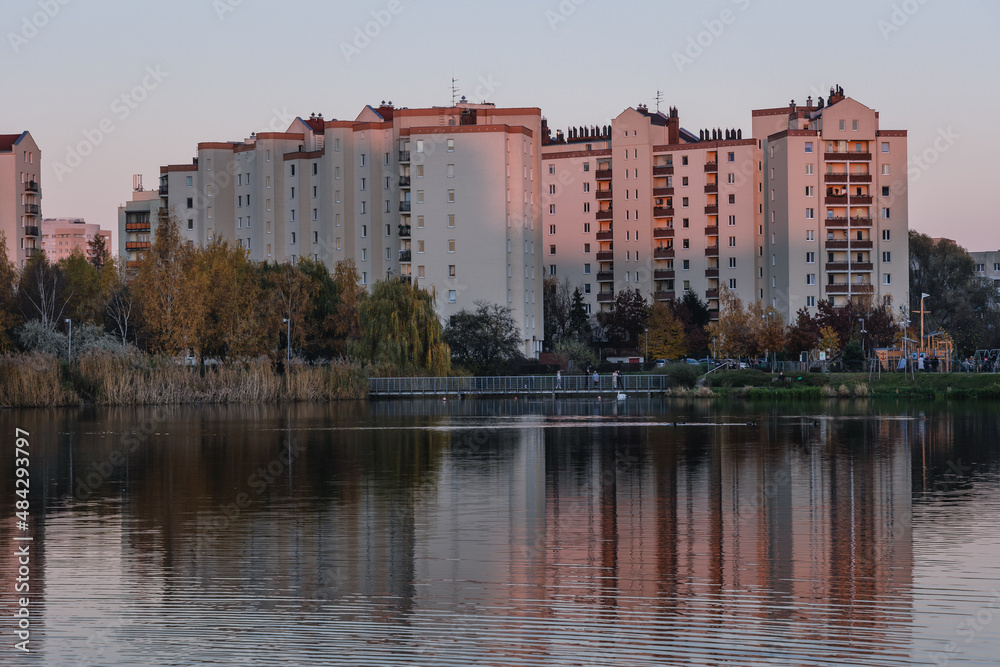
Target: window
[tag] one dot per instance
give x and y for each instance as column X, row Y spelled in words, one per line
column 338, row 243
column 732, row 199
column 732, row 283
column 450, row 172
column 684, row 160
column 886, row 278
column 810, row 191
column 885, row 213
column 586, row 187
column 208, row 164
column 451, row 270
column 685, row 223
column 810, row 279
column 809, row 147
column 684, row 181
column 809, row 170
column 732, row 157
column 420, row 271
column 810, row 213
column 552, row 209
column 552, row 189
column 364, row 161
column 586, row 268
column 886, row 257
column 885, row 146
column 190, row 224
column 686, row 265
column 293, row 238
column 886, row 170
column 210, row 211
column 886, row 234
column 811, row 301
column 364, row 208
column 190, row 202
column 730, row 178
column 843, row 125
column 293, row 169
column 452, row 296
column 293, row 189
column 810, row 258
column 586, row 167
column 552, row 250
column 684, row 202
column 364, row 231
column 552, row 169
column 552, row 229
column 552, row 269
column 732, row 241
column 732, row 262
column 420, row 222
column 451, row 245
column 685, row 243
column 388, row 230
column 810, row 235
column 420, row 246
column 732, row 221
column 854, row 125
column 420, row 145
column 451, row 196
column 451, row 145
column 420, row 196
column 586, row 207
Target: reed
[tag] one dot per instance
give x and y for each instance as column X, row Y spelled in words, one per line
column 33, row 381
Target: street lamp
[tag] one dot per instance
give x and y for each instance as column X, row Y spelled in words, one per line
column 288, row 343
column 70, row 338
column 645, row 357
column 863, row 332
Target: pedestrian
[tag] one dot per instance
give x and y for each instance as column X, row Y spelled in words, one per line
column 614, row 380
column 596, row 379
column 559, row 379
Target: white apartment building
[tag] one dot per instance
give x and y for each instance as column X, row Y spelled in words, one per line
column 447, row 196
column 20, row 195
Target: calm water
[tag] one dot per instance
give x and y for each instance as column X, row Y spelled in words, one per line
column 509, row 533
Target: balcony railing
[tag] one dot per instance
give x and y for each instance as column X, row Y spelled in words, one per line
column 164, row 190
column 663, row 232
column 663, row 192
column 712, row 294
column 712, row 251
column 663, row 274
column 712, row 210
column 863, row 266
column 404, row 231
column 861, row 178
column 137, row 245
column 605, row 215
column 711, row 167
column 32, row 209
column 404, row 181
column 861, row 222
column 605, row 256
column 844, row 244
column 605, row 297
column 605, row 235
column 836, row 200
column 663, row 296
column 862, row 244
column 848, row 156
column 663, row 253
column 404, row 156
column 663, row 170
column 662, row 212
column 31, row 186
column 405, row 255
column 138, row 226
column 711, row 273
column 604, row 194
column 864, row 200
column 712, row 187
column 712, row 231
column 31, row 231
column 605, row 276
column 836, row 222
column 31, row 252
column 163, row 214
column 852, row 288
column 835, row 178
column 603, row 174
column 404, row 206
column 837, row 267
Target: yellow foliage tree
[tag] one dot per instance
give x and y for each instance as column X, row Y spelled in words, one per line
column 666, row 333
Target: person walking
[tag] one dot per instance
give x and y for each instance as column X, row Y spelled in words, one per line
column 597, row 380
column 559, row 379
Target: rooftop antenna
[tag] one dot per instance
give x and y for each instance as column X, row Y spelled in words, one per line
column 659, row 98
column 454, row 90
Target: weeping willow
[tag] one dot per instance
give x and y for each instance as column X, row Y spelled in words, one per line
column 401, row 329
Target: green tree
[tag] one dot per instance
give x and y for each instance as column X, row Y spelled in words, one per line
column 346, row 325
column 803, row 336
column 484, row 340
column 10, row 317
column 579, row 319
column 556, row 308
column 291, row 292
column 626, row 320
column 97, row 251
column 694, row 315
column 85, row 300
column 401, row 329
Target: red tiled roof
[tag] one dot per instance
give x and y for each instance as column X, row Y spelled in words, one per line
column 7, row 141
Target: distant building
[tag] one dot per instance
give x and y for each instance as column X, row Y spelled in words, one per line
column 135, row 221
column 20, row 195
column 988, row 266
column 61, row 236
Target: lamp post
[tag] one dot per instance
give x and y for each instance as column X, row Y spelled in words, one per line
column 69, row 336
column 645, row 356
column 923, row 295
column 863, row 332
column 288, row 343
column 767, row 321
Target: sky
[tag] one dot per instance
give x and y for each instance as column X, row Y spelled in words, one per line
column 112, row 88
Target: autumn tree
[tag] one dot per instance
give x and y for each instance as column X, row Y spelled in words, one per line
column 666, row 333
column 10, row 316
column 84, row 303
column 120, row 307
column 42, row 291
column 731, row 333
column 803, row 336
column 400, row 328
column 233, row 325
column 346, row 325
column 291, row 292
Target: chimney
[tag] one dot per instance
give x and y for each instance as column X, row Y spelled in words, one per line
column 137, row 182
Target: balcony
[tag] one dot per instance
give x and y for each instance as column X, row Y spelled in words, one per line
column 863, row 267
column 850, row 288
column 604, row 215
column 31, row 231
column 132, row 265
column 712, row 294
column 31, row 186
column 861, row 244
column 605, row 276
column 837, row 267
column 404, row 207
column 137, row 245
column 661, row 212
column 711, row 273
column 712, row 188
column 406, row 279
column 664, row 170
column 835, row 178
column 32, row 209
column 31, row 252
column 861, row 201
column 861, row 222
column 605, row 235
column 404, row 156
column 405, row 255
column 712, row 231
column 605, row 256
column 834, row 157
column 663, row 296
column 861, row 178
column 712, row 251
column 137, row 226
column 404, row 181
column 604, row 194
column 663, row 192
column 836, row 222
column 404, row 231
column 711, row 167
column 712, row 210
column 163, row 214
column 836, row 200
column 603, row 174
column 836, row 244
column 663, row 233
column 663, row 253
column 663, row 274
column 164, row 190
column 605, row 297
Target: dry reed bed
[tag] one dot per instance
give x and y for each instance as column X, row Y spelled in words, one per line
column 32, row 381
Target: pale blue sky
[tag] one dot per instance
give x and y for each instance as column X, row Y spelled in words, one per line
column 581, row 61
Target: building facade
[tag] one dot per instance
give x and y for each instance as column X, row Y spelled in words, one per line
column 62, row 236
column 988, row 266
column 447, row 197
column 20, row 196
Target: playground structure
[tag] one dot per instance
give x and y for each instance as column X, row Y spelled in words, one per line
column 936, row 354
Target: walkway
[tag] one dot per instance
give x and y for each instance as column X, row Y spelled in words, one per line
column 514, row 385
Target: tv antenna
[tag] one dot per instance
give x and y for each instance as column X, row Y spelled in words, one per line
column 454, row 90
column 659, row 98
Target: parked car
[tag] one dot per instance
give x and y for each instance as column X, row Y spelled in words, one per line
column 693, row 362
column 660, row 363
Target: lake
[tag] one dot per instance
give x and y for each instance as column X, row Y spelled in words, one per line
column 513, row 532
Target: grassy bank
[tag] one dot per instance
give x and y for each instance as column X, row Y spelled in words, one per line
column 36, row 380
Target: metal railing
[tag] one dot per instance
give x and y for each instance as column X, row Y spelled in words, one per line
column 527, row 384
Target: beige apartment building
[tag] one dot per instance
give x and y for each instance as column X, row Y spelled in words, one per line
column 61, row 236
column 988, row 266
column 446, row 196
column 644, row 204
column 136, row 221
column 20, row 195
column 836, row 205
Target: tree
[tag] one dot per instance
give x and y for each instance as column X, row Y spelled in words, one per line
column 97, row 251
column 401, row 329
column 626, row 320
column 666, row 333
column 233, row 325
column 694, row 315
column 42, row 291
column 484, row 340
column 829, row 340
column 119, row 301
column 803, row 336
column 579, row 319
column 556, row 308
column 732, row 332
column 83, row 283
column 346, row 325
column 291, row 293
column 10, row 317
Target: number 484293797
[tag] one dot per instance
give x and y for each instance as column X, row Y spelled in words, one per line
column 21, row 462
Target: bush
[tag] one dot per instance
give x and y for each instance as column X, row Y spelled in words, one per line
column 579, row 353
column 33, row 336
column 682, row 375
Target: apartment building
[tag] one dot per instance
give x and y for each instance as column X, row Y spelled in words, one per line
column 988, row 266
column 446, row 196
column 645, row 204
column 835, row 205
column 20, row 195
column 136, row 219
column 62, row 236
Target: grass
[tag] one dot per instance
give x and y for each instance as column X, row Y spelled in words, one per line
column 759, row 384
column 33, row 381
